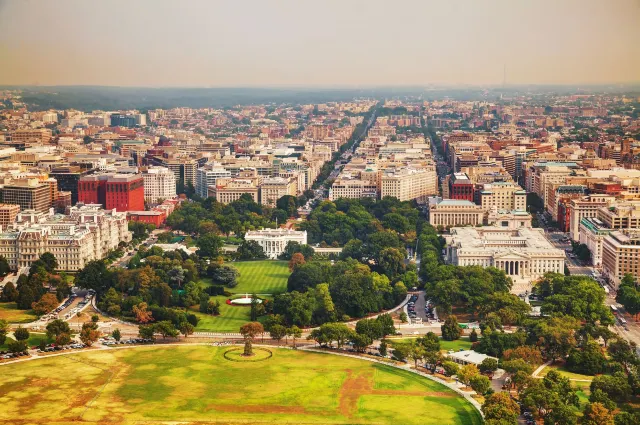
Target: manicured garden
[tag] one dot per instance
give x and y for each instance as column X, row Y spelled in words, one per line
column 462, row 343
column 230, row 319
column 10, row 313
column 197, row 384
column 260, row 277
column 256, row 277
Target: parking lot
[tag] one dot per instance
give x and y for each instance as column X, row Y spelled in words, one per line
column 421, row 310
column 76, row 302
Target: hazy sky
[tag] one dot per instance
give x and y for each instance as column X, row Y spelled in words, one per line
column 324, row 42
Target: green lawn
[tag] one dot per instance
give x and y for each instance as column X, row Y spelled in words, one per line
column 34, row 340
column 564, row 372
column 259, row 277
column 10, row 313
column 230, row 319
column 462, row 343
column 196, row 384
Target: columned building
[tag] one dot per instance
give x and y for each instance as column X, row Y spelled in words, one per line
column 454, row 212
column 523, row 253
column 274, row 241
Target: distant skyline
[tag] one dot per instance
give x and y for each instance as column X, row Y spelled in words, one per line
column 215, row 43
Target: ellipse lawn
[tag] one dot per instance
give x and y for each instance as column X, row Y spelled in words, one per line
column 196, row 384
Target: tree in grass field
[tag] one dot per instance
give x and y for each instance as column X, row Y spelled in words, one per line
column 294, row 332
column 21, row 334
column 277, row 332
column 450, row 329
column 249, row 332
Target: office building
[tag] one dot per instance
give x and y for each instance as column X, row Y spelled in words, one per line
column 274, row 188
column 621, row 255
column 159, row 184
column 68, row 178
column 125, row 192
column 592, row 234
column 228, row 190
column 30, row 194
column 461, row 187
column 407, row 184
column 8, row 214
column 207, row 176
column 503, row 196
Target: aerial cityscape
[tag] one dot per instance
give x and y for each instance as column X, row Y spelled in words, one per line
column 285, row 213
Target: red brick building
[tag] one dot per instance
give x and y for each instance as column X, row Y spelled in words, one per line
column 92, row 189
column 154, row 217
column 122, row 192
column 461, row 187
column 125, row 192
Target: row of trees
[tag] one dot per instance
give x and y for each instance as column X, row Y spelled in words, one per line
column 367, row 331
column 628, row 295
column 345, row 219
column 41, row 290
column 321, row 292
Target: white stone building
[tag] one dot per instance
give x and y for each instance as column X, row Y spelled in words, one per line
column 87, row 233
column 509, row 219
column 524, row 253
column 207, row 176
column 274, row 241
column 159, row 183
column 592, row 234
column 455, row 212
column 503, row 196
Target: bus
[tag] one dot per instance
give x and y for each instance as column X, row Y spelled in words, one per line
column 614, row 309
column 622, row 321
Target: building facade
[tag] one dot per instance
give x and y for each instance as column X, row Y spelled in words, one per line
column 207, row 176
column 29, row 194
column 274, row 188
column 274, row 241
column 409, row 183
column 621, row 255
column 503, row 196
column 592, row 234
column 159, row 183
column 8, row 214
column 524, row 253
column 87, row 233
column 125, row 192
column 452, row 212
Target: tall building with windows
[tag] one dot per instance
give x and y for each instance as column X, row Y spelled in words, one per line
column 30, row 194
column 125, row 192
column 274, row 188
column 407, row 184
column 503, row 196
column 461, row 187
column 8, row 214
column 68, row 178
column 207, row 176
column 159, row 183
column 621, row 255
